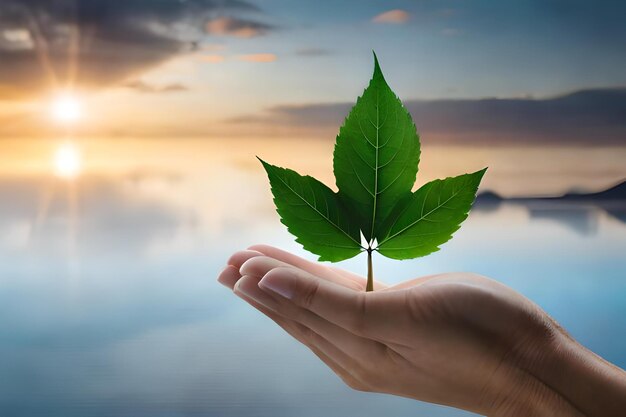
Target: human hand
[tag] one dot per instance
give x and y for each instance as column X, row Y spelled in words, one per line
column 456, row 339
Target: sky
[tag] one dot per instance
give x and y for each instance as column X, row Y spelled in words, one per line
column 527, row 75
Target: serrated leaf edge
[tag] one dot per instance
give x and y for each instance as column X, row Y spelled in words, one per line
column 266, row 165
column 423, row 216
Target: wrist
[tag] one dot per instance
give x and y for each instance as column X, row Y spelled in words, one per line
column 564, row 378
column 521, row 388
column 524, row 342
column 592, row 385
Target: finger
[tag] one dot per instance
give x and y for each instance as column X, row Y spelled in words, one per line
column 335, row 274
column 238, row 258
column 345, row 364
column 261, row 265
column 230, row 274
column 252, row 272
column 348, row 378
column 368, row 315
column 353, row 346
column 319, row 346
column 323, row 349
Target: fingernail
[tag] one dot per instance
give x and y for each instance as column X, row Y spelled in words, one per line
column 222, row 278
column 248, row 290
column 239, row 289
column 278, row 284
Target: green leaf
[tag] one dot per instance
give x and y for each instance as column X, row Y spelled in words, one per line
column 376, row 155
column 429, row 217
column 314, row 214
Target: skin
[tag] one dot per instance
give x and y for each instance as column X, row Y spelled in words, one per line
column 457, row 339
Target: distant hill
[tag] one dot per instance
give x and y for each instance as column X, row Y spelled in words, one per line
column 617, row 192
column 488, row 200
column 579, row 211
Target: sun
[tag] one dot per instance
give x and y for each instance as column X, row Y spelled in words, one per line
column 67, row 161
column 66, row 108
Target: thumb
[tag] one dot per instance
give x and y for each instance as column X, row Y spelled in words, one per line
column 335, row 303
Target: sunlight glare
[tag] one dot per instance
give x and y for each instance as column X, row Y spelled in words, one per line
column 67, row 161
column 66, row 108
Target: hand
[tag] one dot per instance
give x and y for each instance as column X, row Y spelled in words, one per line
column 457, row 339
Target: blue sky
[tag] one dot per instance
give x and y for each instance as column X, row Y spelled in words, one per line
column 457, row 48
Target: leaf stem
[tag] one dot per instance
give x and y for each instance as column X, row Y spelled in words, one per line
column 370, row 271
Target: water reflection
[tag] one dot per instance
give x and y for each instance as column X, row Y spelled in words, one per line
column 141, row 328
column 582, row 217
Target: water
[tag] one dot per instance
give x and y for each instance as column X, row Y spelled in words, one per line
column 109, row 305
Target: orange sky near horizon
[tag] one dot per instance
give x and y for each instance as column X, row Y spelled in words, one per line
column 513, row 171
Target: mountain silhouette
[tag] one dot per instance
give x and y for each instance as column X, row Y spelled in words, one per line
column 578, row 211
column 617, row 192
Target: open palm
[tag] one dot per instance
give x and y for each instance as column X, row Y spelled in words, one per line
column 457, row 339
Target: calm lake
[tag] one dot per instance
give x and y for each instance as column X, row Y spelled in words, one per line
column 109, row 304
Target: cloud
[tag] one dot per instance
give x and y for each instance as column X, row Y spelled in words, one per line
column 46, row 44
column 395, row 16
column 239, row 28
column 213, row 47
column 144, row 87
column 16, row 40
column 212, row 58
column 257, row 58
column 586, row 117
